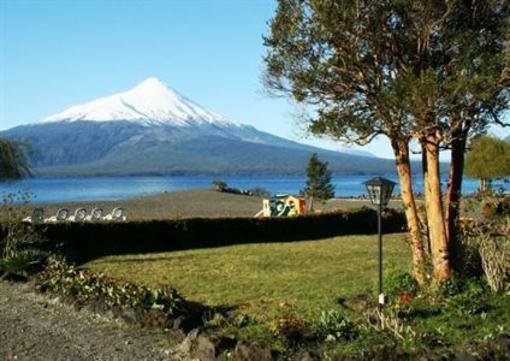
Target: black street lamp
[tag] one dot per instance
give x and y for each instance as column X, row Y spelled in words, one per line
column 379, row 190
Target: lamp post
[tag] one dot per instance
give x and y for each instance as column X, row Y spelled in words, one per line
column 380, row 190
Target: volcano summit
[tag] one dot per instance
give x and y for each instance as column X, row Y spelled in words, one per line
column 151, row 129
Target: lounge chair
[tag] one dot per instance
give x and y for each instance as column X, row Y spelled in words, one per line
column 37, row 216
column 60, row 216
column 116, row 215
column 95, row 215
column 79, row 215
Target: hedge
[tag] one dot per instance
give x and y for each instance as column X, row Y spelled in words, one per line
column 85, row 241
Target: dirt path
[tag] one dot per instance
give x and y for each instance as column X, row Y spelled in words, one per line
column 32, row 327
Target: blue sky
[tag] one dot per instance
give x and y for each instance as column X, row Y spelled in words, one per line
column 58, row 53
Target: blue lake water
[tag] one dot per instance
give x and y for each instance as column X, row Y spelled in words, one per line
column 54, row 190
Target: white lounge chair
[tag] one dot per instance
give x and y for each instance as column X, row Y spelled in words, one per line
column 116, row 215
column 79, row 215
column 37, row 216
column 95, row 215
column 60, row 216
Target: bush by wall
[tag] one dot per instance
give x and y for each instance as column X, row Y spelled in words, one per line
column 148, row 306
column 84, row 241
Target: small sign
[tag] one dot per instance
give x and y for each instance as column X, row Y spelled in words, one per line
column 381, row 299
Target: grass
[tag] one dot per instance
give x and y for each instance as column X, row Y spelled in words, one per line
column 312, row 276
column 257, row 278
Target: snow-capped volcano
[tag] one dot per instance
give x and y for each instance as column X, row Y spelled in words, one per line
column 151, row 102
column 153, row 130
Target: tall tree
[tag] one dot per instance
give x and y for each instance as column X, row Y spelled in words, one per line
column 488, row 158
column 13, row 163
column 409, row 69
column 318, row 182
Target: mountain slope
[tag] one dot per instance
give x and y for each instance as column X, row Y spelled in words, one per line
column 151, row 103
column 152, row 129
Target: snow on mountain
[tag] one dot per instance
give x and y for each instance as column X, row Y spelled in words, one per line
column 152, row 102
column 151, row 129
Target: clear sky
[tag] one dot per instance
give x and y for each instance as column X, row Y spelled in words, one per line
column 58, row 53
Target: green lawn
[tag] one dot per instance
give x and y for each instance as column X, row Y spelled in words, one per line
column 257, row 278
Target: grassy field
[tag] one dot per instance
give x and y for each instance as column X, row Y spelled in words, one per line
column 195, row 203
column 257, row 278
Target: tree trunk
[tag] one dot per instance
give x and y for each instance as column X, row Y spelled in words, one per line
column 401, row 151
column 434, row 208
column 310, row 204
column 452, row 200
column 485, row 185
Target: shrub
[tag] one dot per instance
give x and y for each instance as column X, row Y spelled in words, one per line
column 83, row 286
column 450, row 287
column 334, row 326
column 503, row 208
column 492, row 242
column 219, row 185
column 495, row 255
column 20, row 241
column 471, row 301
column 397, row 283
column 85, row 241
column 260, row 192
column 24, row 262
column 288, row 327
column 414, row 308
column 489, row 210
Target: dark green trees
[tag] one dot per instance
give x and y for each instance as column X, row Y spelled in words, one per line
column 13, row 164
column 318, row 181
column 488, row 158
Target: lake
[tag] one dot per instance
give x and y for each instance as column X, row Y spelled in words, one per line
column 55, row 190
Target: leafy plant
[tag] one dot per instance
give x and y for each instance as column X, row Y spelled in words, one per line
column 397, row 283
column 450, row 287
column 334, row 326
column 24, row 262
column 471, row 301
column 288, row 326
column 20, row 241
column 85, row 286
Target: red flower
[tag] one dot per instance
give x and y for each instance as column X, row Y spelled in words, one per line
column 405, row 298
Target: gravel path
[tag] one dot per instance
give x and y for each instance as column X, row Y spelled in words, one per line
column 32, row 327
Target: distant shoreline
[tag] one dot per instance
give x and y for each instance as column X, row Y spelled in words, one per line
column 82, row 189
column 192, row 203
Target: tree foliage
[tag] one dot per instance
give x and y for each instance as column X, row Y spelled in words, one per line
column 318, row 182
column 389, row 67
column 435, row 71
column 488, row 158
column 13, row 163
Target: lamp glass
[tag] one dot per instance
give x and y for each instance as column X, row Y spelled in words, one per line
column 387, row 190
column 380, row 190
column 374, row 192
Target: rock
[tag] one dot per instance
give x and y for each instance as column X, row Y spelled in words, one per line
column 190, row 338
column 244, row 352
column 204, row 349
column 464, row 356
column 308, row 356
column 429, row 357
column 198, row 347
column 178, row 323
column 54, row 301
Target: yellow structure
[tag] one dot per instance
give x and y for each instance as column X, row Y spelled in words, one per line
column 283, row 205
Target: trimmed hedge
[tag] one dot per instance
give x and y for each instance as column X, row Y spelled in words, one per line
column 85, row 241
